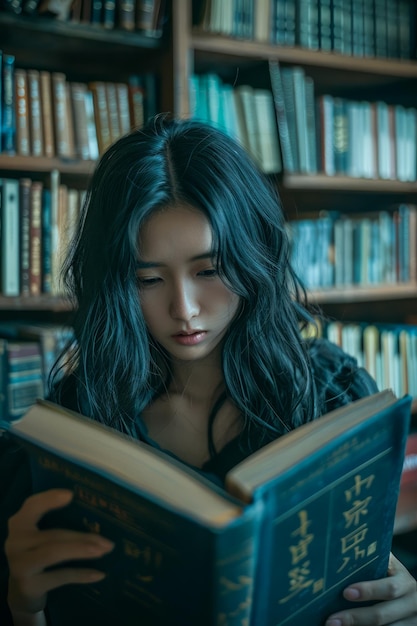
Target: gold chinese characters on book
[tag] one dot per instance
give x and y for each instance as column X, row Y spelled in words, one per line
column 296, row 523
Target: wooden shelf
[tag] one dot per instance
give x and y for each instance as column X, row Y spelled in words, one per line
column 322, row 182
column 17, row 163
column 50, row 27
column 247, row 49
column 40, row 303
column 366, row 293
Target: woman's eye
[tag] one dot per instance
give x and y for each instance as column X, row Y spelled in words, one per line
column 147, row 281
column 208, row 273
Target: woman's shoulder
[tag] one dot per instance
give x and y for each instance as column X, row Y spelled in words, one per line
column 339, row 379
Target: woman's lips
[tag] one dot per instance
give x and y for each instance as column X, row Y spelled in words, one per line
column 190, row 339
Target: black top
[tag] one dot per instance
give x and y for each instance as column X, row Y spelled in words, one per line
column 338, row 380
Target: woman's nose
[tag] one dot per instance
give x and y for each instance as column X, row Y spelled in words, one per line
column 184, row 305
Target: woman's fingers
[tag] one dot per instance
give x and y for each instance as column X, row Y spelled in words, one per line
column 31, row 553
column 54, row 547
column 36, row 506
column 395, row 600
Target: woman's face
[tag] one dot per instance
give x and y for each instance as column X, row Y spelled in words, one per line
column 186, row 306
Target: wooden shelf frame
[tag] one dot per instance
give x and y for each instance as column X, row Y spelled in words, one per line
column 322, row 182
column 51, row 27
column 365, row 293
column 245, row 48
column 44, row 302
column 18, row 163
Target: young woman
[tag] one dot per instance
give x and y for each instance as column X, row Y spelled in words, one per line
column 188, row 337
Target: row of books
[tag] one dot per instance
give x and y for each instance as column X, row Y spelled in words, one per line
column 315, row 134
column 382, row 28
column 387, row 351
column 28, row 351
column 37, row 225
column 45, row 114
column 144, row 16
column 340, row 250
column 246, row 113
column 339, row 136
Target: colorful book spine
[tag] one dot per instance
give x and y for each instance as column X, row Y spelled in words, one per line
column 8, row 129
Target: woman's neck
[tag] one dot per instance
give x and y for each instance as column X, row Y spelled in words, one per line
column 179, row 419
column 196, row 380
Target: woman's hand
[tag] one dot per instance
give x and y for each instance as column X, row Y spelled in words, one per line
column 30, row 551
column 395, row 597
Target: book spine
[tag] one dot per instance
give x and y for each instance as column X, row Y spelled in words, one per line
column 109, row 14
column 10, row 235
column 392, row 29
column 8, row 130
column 59, row 91
column 358, row 28
column 406, row 18
column 136, row 101
column 113, row 113
column 147, row 17
column 25, row 185
column 22, row 112
column 96, row 16
column 280, row 111
column 36, row 239
column 78, row 91
column 368, row 29
column 55, row 260
column 380, row 27
column 91, row 126
column 127, row 14
column 278, row 36
column 69, row 126
column 298, row 76
column 46, row 245
column 325, row 25
column 289, row 99
column 311, row 126
column 36, row 126
column 326, row 106
column 123, row 108
column 101, row 114
column 25, row 382
column 47, row 114
column 290, row 28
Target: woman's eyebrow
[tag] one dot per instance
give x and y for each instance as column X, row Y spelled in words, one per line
column 140, row 264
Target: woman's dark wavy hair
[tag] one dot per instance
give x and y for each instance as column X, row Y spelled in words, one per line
column 119, row 369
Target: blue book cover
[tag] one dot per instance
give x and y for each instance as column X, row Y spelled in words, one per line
column 329, row 491
column 296, row 523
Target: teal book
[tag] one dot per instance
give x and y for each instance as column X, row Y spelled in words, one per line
column 296, row 522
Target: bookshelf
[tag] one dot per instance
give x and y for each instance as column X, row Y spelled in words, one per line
column 85, row 52
column 347, row 75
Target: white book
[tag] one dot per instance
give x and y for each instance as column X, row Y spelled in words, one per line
column 327, row 129
column 229, row 113
column 383, row 141
column 246, row 95
column 268, row 132
column 301, row 119
column 10, row 237
column 411, row 143
column 91, row 126
column 401, row 141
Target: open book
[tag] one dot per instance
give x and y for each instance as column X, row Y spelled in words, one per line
column 296, row 523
